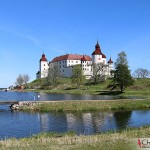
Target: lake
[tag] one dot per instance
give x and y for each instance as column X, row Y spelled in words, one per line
column 29, row 96
column 20, row 124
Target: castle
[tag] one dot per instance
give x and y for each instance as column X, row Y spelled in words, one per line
column 65, row 64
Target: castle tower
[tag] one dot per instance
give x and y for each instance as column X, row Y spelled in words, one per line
column 98, row 56
column 43, row 66
column 110, row 66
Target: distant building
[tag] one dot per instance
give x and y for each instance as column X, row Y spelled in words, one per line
column 65, row 64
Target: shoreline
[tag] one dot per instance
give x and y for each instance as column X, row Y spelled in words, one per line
column 83, row 105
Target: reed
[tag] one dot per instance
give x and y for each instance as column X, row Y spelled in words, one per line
column 123, row 140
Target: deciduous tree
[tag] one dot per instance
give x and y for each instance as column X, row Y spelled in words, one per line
column 22, row 79
column 98, row 72
column 77, row 76
column 53, row 75
column 141, row 73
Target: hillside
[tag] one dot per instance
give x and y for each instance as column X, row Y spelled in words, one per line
column 64, row 85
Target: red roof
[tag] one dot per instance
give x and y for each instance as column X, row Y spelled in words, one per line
column 71, row 57
column 110, row 61
column 83, row 58
column 43, row 58
column 97, row 50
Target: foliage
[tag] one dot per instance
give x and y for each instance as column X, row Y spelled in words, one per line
column 77, row 76
column 122, row 77
column 141, row 73
column 122, row 59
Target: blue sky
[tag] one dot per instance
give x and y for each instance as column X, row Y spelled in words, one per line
column 29, row 27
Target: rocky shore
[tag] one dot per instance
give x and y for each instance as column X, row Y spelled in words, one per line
column 22, row 104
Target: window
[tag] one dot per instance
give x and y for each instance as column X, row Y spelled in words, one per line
column 76, row 61
column 44, row 64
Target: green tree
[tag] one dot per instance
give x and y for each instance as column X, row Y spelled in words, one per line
column 77, row 76
column 122, row 77
column 122, row 59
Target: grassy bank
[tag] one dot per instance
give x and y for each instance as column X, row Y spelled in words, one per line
column 141, row 87
column 89, row 105
column 124, row 140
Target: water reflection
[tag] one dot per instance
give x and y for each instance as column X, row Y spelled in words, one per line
column 89, row 122
column 22, row 124
column 122, row 118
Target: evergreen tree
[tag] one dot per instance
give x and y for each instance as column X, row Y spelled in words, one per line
column 122, row 77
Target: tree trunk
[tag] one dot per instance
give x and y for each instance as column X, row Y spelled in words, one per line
column 121, row 88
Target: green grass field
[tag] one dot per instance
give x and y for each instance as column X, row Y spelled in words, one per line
column 141, row 87
column 87, row 105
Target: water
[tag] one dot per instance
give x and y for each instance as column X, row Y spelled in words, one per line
column 29, row 96
column 24, row 124
column 20, row 124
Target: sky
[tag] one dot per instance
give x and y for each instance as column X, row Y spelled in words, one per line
column 57, row 27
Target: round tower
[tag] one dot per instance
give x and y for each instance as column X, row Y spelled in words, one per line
column 110, row 65
column 43, row 66
column 98, row 56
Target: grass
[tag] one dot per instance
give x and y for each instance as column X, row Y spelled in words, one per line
column 141, row 87
column 122, row 140
column 88, row 105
